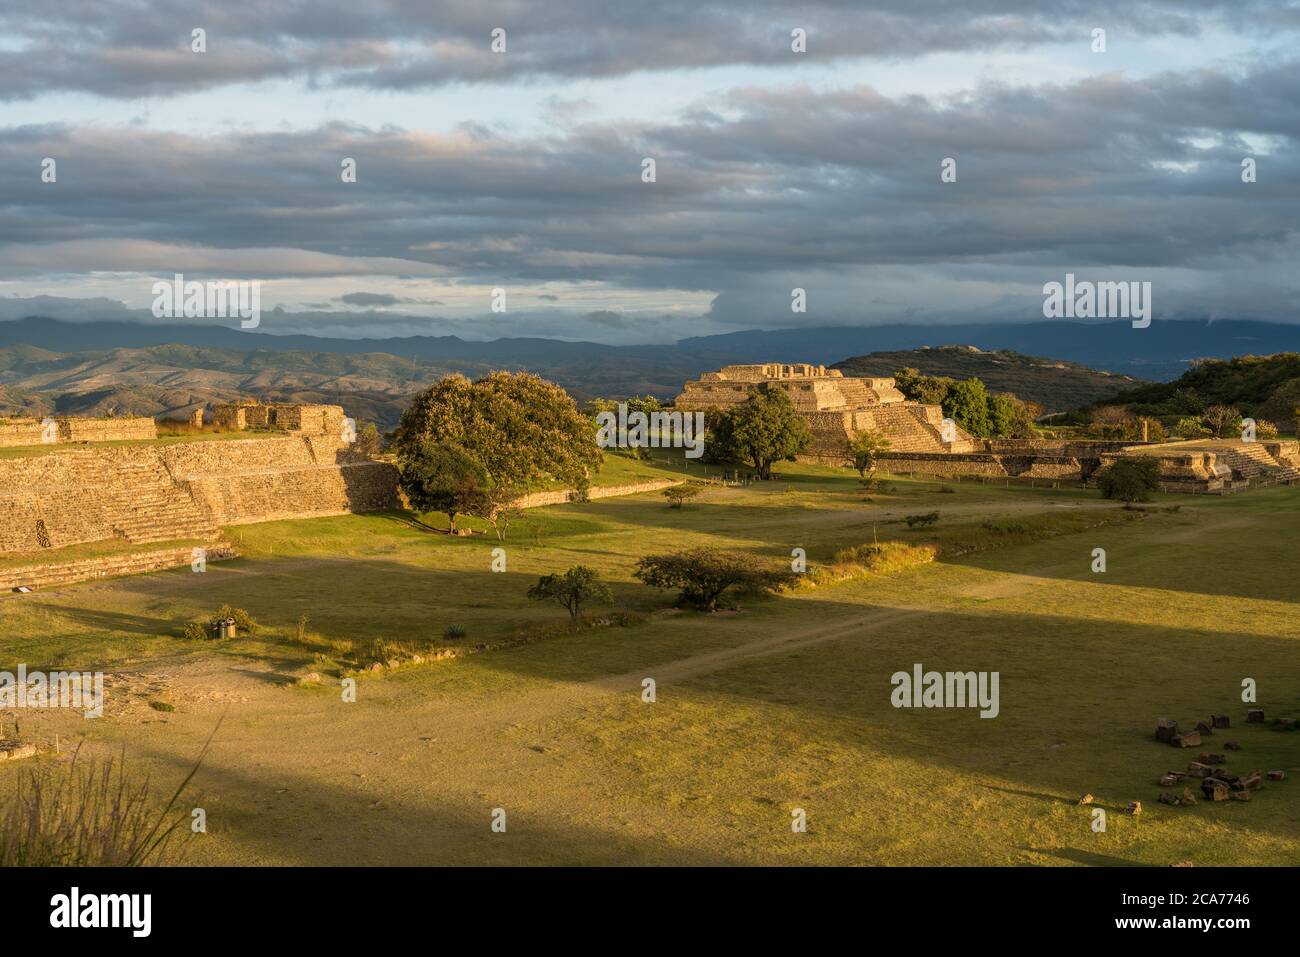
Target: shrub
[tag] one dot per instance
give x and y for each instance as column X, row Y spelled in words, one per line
column 702, row 575
column 677, row 495
column 1130, row 480
column 453, row 632
column 88, row 814
column 201, row 628
column 1264, row 429
column 1006, row 527
column 576, row 587
column 921, row 521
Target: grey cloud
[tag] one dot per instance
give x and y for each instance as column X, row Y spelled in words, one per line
column 115, row 48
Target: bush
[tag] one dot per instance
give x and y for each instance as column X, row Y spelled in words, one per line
column 921, row 521
column 1130, row 480
column 453, row 632
column 202, row 628
column 702, row 575
column 677, row 495
column 576, row 587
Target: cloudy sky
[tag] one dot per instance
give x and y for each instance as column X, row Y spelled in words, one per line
column 522, row 169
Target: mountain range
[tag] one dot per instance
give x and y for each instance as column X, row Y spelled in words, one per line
column 116, row 367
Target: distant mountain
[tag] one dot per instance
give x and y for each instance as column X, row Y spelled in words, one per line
column 1161, row 352
column 1058, row 386
column 167, row 369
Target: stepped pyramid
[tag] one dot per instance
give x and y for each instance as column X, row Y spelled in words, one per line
column 835, row 407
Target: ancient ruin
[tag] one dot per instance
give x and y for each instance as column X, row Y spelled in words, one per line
column 835, row 407
column 184, row 491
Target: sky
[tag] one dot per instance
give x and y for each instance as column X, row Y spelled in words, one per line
column 522, row 171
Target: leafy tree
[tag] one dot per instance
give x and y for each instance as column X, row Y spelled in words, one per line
column 520, row 432
column 930, row 389
column 1191, row 427
column 442, row 478
column 967, row 404
column 578, row 586
column 703, row 574
column 677, row 495
column 1002, row 416
column 763, row 430
column 1130, row 479
column 864, row 448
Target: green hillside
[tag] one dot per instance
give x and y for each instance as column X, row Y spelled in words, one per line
column 1054, row 384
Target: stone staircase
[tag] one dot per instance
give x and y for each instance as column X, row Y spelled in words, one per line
column 1253, row 462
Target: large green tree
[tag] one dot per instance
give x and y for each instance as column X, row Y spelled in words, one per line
column 517, row 432
column 763, row 430
column 442, row 478
column 967, row 404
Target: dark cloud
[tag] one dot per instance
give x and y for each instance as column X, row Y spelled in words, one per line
column 122, row 48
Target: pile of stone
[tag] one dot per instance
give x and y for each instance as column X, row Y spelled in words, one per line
column 1217, row 783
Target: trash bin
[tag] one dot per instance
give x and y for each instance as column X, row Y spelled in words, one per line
column 226, row 628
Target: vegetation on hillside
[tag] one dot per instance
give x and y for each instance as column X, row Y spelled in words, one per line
column 1053, row 384
column 968, row 403
column 1217, row 393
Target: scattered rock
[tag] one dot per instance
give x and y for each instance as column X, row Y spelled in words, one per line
column 1220, row 720
column 1186, row 739
column 1286, row 724
column 1209, row 757
column 1241, row 795
column 1085, row 799
column 1204, row 728
column 1251, row 782
column 1188, row 797
column 1134, row 808
column 1255, row 716
column 1169, row 780
column 1277, row 775
column 1168, row 797
column 1231, row 746
column 1197, row 770
column 1182, row 864
column 1166, row 728
column 16, row 750
column 1214, row 789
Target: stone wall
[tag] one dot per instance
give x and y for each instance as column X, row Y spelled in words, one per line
column 149, row 493
column 1058, row 467
column 538, row 499
column 22, row 431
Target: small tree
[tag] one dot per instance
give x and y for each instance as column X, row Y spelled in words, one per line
column 1222, row 418
column 677, row 495
column 703, row 574
column 368, row 441
column 864, row 448
column 1130, row 480
column 576, row 587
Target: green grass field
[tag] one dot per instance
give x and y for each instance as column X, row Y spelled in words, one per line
column 783, row 704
